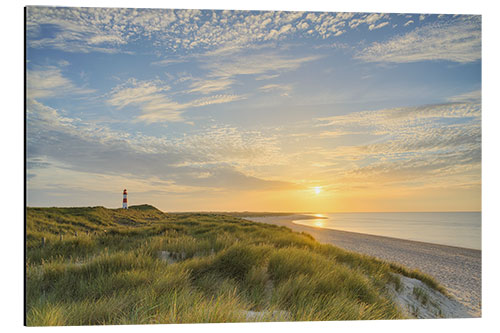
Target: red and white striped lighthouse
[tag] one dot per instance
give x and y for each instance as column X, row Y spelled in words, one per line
column 125, row 199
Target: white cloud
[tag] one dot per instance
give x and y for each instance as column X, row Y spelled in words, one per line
column 267, row 76
column 75, row 29
column 167, row 62
column 103, row 39
column 150, row 97
column 468, row 97
column 258, row 64
column 284, row 88
column 285, row 28
column 215, row 99
column 165, row 110
column 378, row 26
column 368, row 19
column 49, row 81
column 112, row 29
column 458, row 40
column 390, row 119
column 408, row 23
column 137, row 92
column 209, row 86
column 372, row 18
column 154, row 102
column 45, row 117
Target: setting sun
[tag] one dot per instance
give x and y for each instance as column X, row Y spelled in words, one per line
column 317, row 189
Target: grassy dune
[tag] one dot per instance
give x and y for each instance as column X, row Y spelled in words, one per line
column 94, row 266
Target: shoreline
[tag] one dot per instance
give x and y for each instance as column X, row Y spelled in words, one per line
column 306, row 217
column 457, row 269
column 303, row 216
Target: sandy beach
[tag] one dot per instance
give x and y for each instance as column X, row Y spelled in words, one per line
column 457, row 269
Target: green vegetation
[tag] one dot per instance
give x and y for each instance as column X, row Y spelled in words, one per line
column 94, row 266
column 421, row 295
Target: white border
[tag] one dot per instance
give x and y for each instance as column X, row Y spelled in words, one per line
column 12, row 17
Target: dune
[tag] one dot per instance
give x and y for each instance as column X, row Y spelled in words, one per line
column 457, row 269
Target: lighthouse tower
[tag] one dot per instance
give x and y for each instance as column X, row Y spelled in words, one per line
column 125, row 199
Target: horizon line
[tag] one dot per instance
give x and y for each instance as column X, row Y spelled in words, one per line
column 271, row 212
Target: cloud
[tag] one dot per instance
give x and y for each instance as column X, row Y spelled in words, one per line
column 458, row 40
column 284, row 88
column 167, row 62
column 162, row 109
column 155, row 104
column 112, row 30
column 215, row 99
column 150, row 97
column 468, row 97
column 267, row 76
column 256, row 64
column 137, row 92
column 210, row 86
column 74, row 29
column 397, row 117
column 215, row 157
column 44, row 82
column 223, row 71
column 409, row 144
column 378, row 26
column 105, row 39
column 408, row 23
column 367, row 19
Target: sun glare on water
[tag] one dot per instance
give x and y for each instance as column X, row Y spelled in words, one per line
column 318, row 223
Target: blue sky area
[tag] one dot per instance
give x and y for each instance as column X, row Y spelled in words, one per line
column 253, row 110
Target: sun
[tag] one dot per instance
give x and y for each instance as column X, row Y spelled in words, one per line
column 317, row 189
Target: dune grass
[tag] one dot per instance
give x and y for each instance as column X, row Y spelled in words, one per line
column 97, row 266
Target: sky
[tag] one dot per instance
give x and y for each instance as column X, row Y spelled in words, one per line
column 202, row 110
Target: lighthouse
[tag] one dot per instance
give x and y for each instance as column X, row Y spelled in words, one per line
column 125, row 199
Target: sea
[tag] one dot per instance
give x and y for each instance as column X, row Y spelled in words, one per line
column 461, row 229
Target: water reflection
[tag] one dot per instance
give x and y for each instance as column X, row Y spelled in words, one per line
column 318, row 222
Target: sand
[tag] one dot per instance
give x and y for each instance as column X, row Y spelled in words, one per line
column 457, row 269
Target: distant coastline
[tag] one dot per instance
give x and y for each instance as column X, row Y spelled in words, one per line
column 296, row 216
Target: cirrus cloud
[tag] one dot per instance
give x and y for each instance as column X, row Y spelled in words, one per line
column 458, row 41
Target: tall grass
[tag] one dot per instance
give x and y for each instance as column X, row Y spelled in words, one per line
column 142, row 266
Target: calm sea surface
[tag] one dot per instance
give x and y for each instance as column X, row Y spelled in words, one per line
column 455, row 229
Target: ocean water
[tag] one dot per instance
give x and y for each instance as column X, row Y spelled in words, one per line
column 462, row 229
